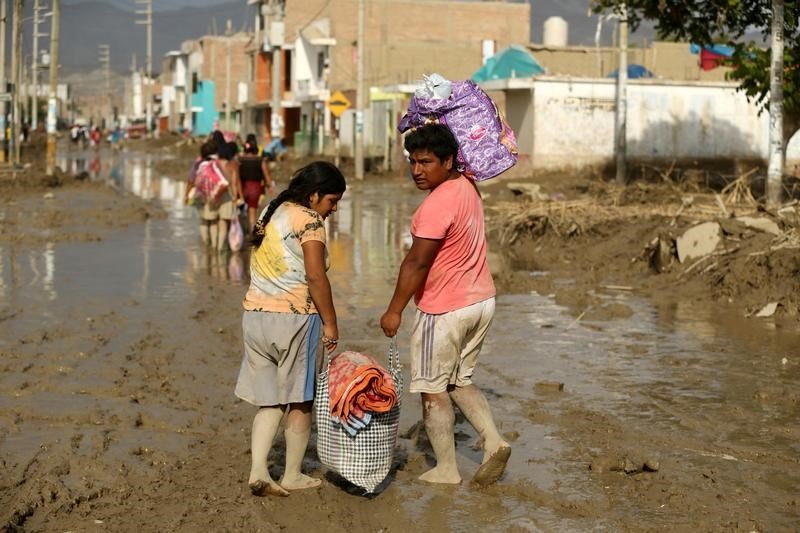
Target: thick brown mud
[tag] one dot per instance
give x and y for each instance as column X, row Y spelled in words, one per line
column 630, row 403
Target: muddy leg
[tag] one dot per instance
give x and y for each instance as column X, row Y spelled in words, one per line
column 298, row 429
column 437, row 411
column 222, row 237
column 265, row 427
column 252, row 214
column 205, row 233
column 213, row 231
column 473, row 404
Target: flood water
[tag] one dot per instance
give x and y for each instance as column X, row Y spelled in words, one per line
column 719, row 391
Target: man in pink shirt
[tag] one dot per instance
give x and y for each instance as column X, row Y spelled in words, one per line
column 447, row 274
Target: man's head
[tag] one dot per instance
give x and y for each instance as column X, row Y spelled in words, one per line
column 432, row 150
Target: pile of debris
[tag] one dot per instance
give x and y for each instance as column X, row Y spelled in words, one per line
column 743, row 252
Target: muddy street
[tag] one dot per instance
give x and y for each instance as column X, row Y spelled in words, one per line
column 120, row 343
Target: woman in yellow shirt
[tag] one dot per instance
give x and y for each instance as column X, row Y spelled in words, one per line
column 287, row 304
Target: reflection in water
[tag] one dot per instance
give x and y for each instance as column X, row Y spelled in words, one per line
column 43, row 270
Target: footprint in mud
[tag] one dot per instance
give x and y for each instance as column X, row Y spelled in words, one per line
column 631, row 463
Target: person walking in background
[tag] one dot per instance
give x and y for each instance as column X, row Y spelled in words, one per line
column 213, row 234
column 229, row 208
column 209, row 219
column 287, row 304
column 447, row 273
column 275, row 150
column 255, row 178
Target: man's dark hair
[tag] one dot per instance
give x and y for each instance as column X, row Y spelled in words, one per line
column 434, row 137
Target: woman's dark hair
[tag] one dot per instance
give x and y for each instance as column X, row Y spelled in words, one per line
column 208, row 148
column 319, row 177
column 251, row 144
column 227, row 151
column 218, row 137
column 434, row 137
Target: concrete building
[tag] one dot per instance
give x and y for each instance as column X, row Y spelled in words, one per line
column 568, row 123
column 403, row 40
column 215, row 67
column 174, row 95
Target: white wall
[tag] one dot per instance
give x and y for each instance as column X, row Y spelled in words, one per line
column 574, row 122
column 306, row 81
column 703, row 122
column 179, row 75
column 167, row 100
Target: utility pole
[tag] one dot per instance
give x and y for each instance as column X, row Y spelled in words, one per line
column 148, row 13
column 776, row 149
column 16, row 67
column 228, row 33
column 275, row 41
column 35, row 65
column 3, row 84
column 620, row 146
column 52, row 102
column 359, row 151
column 104, row 56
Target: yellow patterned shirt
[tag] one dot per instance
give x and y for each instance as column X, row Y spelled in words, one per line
column 277, row 273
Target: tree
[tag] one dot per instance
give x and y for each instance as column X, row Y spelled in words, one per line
column 707, row 22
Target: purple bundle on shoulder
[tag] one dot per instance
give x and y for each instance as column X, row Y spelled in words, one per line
column 487, row 144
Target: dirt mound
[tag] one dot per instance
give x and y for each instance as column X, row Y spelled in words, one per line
column 604, row 235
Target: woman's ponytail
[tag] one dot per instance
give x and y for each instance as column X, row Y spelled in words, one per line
column 260, row 227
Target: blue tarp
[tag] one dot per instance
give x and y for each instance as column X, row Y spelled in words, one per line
column 634, row 71
column 512, row 62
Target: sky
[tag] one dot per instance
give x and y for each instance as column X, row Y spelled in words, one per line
column 158, row 5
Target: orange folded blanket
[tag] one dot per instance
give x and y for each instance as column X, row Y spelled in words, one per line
column 359, row 386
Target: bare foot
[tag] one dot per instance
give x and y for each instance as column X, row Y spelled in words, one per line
column 261, row 487
column 493, row 466
column 299, row 482
column 435, row 475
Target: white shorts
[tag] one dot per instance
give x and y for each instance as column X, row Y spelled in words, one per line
column 445, row 348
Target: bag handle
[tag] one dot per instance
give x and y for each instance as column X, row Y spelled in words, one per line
column 393, row 356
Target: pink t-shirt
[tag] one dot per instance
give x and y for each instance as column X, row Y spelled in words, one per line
column 459, row 276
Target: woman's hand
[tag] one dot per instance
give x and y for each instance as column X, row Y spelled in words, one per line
column 330, row 337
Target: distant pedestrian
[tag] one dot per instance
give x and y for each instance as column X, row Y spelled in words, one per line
column 210, row 212
column 447, row 273
column 256, row 178
column 286, row 308
column 229, row 208
column 275, row 150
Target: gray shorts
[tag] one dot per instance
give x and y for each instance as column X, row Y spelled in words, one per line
column 281, row 358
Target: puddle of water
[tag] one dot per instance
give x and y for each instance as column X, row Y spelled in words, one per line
column 678, row 367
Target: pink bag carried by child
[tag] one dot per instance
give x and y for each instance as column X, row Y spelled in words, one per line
column 487, row 144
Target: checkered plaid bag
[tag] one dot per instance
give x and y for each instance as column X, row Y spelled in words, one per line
column 365, row 459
